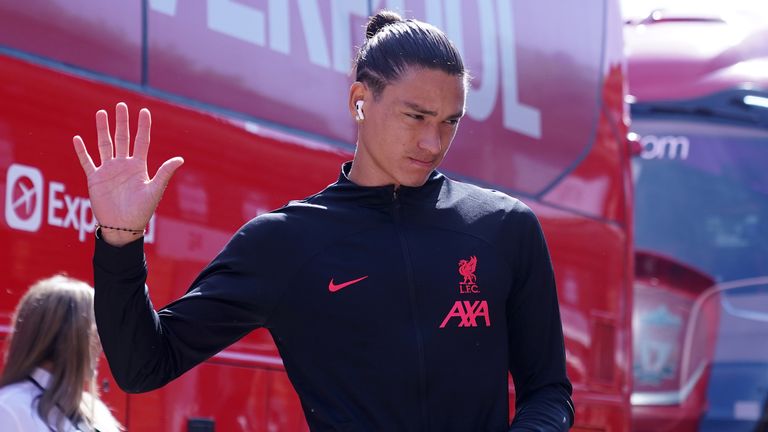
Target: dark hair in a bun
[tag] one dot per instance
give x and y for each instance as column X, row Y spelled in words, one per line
column 393, row 45
column 379, row 21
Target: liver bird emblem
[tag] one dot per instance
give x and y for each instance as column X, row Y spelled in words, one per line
column 467, row 269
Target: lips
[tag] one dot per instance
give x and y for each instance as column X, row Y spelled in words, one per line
column 422, row 163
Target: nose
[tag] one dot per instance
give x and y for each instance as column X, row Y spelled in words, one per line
column 430, row 140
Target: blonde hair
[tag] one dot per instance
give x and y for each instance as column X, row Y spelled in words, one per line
column 54, row 325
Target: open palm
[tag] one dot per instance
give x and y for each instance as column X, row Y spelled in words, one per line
column 121, row 192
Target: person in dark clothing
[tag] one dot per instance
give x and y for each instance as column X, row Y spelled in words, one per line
column 436, row 290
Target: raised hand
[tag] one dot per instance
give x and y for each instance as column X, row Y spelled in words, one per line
column 121, row 192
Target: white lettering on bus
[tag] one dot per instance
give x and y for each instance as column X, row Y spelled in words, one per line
column 63, row 210
column 341, row 11
column 55, row 204
column 481, row 100
column 237, row 20
column 248, row 24
column 665, row 147
column 167, row 7
column 77, row 210
column 517, row 117
column 497, row 39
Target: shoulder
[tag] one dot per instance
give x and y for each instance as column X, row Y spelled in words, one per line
column 482, row 201
column 276, row 227
column 279, row 236
column 291, row 216
column 17, row 393
column 321, row 216
column 501, row 220
column 17, row 412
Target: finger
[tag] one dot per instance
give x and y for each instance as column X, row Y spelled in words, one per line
column 122, row 133
column 141, row 146
column 105, row 140
column 83, row 156
column 165, row 172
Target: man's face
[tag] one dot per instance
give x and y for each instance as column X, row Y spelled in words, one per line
column 407, row 130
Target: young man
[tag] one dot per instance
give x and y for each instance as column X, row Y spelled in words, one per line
column 357, row 284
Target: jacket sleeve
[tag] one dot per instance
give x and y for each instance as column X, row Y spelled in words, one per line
column 147, row 349
column 536, row 347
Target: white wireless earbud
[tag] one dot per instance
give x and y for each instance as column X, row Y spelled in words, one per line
column 359, row 108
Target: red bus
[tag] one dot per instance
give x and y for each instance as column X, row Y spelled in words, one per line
column 699, row 93
column 249, row 92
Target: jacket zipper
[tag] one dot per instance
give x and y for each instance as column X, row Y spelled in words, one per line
column 414, row 312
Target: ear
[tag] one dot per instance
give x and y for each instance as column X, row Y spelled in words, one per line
column 357, row 92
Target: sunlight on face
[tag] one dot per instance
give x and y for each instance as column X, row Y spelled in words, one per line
column 408, row 128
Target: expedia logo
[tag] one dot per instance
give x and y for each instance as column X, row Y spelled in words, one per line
column 28, row 198
column 24, row 198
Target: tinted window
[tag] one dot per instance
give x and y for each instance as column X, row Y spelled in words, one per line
column 702, row 196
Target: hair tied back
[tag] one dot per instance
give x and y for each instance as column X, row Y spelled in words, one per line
column 379, row 21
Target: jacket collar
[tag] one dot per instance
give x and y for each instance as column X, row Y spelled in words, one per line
column 41, row 376
column 376, row 196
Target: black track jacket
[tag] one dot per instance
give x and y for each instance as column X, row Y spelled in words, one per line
column 393, row 310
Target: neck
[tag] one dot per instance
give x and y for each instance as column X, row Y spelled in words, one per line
column 360, row 173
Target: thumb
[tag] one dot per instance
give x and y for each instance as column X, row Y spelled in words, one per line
column 165, row 172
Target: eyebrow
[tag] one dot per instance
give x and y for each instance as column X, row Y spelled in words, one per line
column 421, row 110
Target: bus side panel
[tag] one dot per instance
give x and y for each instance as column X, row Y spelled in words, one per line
column 81, row 33
column 231, row 398
column 588, row 256
column 219, row 188
column 236, row 170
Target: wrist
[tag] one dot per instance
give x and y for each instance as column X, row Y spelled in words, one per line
column 118, row 236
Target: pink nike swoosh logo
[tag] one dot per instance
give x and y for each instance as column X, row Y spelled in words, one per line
column 332, row 287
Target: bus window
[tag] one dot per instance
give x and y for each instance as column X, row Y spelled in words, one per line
column 701, row 192
column 700, row 108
